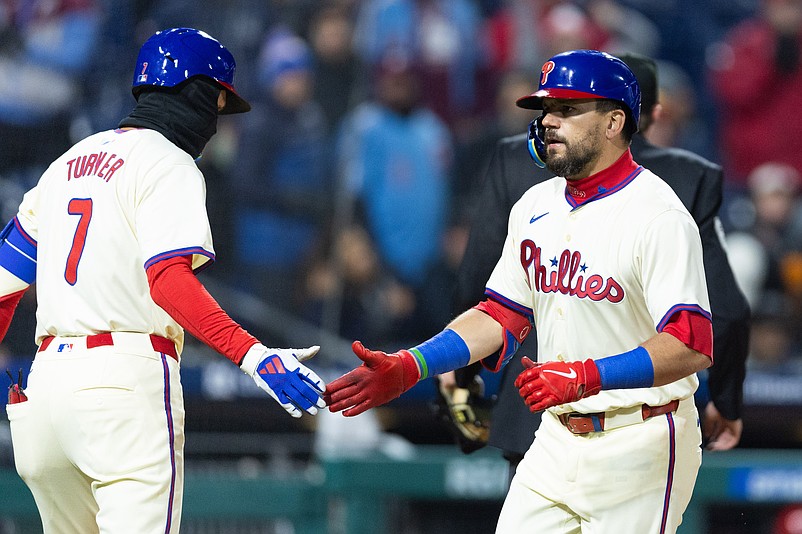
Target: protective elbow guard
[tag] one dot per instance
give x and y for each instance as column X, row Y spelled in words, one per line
column 516, row 328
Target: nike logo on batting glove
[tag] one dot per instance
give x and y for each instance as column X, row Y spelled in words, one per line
column 569, row 374
column 553, row 383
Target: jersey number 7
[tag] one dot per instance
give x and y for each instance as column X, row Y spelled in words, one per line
column 82, row 207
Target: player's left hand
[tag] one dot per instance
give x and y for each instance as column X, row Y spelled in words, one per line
column 552, row 383
column 281, row 374
column 720, row 434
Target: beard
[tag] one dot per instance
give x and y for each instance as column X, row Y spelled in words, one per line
column 578, row 156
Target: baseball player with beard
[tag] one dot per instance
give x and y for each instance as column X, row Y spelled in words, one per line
column 113, row 235
column 606, row 263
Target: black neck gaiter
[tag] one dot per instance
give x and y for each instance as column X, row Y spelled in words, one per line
column 186, row 115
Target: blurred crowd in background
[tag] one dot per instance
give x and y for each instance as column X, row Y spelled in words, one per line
column 343, row 197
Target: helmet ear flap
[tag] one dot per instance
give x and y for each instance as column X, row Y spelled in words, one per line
column 537, row 148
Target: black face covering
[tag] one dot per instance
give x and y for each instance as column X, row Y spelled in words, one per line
column 186, row 115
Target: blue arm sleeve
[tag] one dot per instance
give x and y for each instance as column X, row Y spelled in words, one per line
column 18, row 252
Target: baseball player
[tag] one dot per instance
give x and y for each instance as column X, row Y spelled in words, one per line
column 113, row 235
column 698, row 184
column 606, row 263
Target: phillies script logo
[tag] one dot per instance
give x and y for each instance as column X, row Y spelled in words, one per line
column 568, row 276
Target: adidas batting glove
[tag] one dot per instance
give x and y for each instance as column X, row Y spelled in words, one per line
column 282, row 375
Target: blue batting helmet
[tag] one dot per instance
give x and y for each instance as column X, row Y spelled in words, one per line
column 586, row 74
column 170, row 57
column 581, row 74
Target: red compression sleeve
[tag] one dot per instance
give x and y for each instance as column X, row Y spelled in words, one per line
column 8, row 304
column 178, row 291
column 693, row 329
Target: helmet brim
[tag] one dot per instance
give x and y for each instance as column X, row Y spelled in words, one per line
column 234, row 102
column 535, row 100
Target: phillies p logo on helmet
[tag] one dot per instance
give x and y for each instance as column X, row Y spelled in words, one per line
column 548, row 66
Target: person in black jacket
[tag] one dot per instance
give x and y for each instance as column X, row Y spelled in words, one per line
column 698, row 183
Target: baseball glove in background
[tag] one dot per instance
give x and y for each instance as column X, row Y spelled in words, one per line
column 465, row 411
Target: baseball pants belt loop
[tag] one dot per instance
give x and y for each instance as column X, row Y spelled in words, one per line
column 585, row 423
column 106, row 339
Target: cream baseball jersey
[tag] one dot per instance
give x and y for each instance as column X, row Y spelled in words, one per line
column 602, row 277
column 115, row 203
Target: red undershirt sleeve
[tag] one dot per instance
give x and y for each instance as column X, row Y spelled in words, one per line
column 8, row 304
column 693, row 329
column 176, row 289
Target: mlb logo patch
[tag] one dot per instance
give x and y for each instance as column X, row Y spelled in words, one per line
column 65, row 347
column 142, row 78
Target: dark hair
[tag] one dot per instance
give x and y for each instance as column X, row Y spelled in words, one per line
column 604, row 105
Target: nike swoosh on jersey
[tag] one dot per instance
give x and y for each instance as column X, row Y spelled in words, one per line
column 536, row 217
column 570, row 374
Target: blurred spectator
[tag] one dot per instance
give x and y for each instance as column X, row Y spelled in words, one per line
column 774, row 189
column 750, row 264
column 766, row 249
column 282, row 182
column 598, row 24
column 628, row 30
column 678, row 121
column 756, row 76
column 509, row 40
column 365, row 300
column 772, row 346
column 395, row 157
column 521, row 34
column 46, row 48
column 118, row 38
column 339, row 76
column 687, row 28
column 475, row 146
column 773, row 219
column 440, row 36
column 564, row 25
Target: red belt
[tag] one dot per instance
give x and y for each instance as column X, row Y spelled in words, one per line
column 159, row 344
column 585, row 423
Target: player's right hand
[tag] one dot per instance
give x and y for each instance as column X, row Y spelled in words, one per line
column 381, row 378
column 543, row 385
column 281, row 374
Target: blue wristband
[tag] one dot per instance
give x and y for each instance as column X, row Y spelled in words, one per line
column 633, row 369
column 444, row 352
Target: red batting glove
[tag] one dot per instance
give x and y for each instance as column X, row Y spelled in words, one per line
column 381, row 378
column 549, row 384
column 15, row 392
